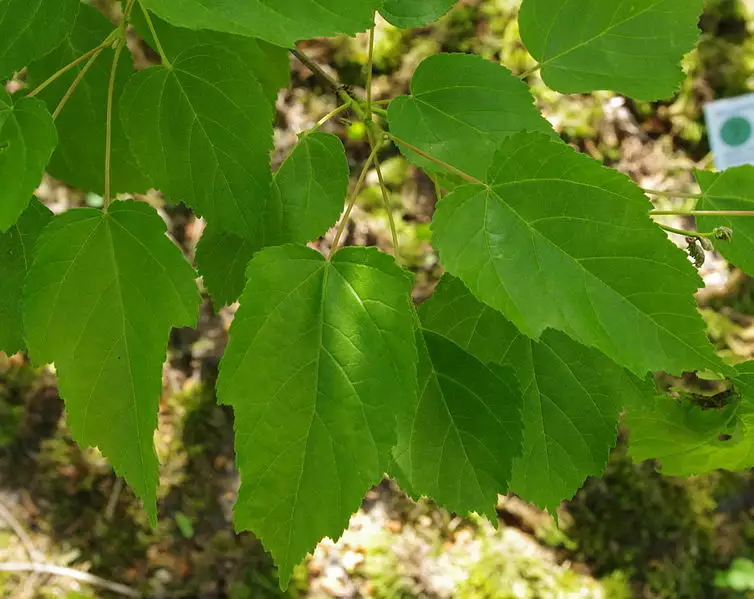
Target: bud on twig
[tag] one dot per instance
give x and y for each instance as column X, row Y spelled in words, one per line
column 723, row 233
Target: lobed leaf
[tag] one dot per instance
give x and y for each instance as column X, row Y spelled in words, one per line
column 459, row 442
column 415, row 13
column 221, row 259
column 308, row 193
column 572, row 395
column 202, row 129
column 688, row 440
column 269, row 64
column 321, row 358
column 460, row 108
column 79, row 158
column 32, row 28
column 280, row 22
column 27, row 139
column 100, row 299
column 16, row 253
column 634, row 47
column 557, row 240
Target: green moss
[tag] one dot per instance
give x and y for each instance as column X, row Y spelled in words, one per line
column 659, row 531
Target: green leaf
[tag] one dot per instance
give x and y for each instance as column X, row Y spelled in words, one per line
column 460, row 108
column 321, row 357
column 79, row 159
column 415, row 13
column 458, row 444
column 634, row 48
column 269, row 64
column 556, row 240
column 202, row 130
column 688, row 440
column 731, row 189
column 101, row 297
column 308, row 193
column 32, row 28
column 221, row 259
column 16, row 253
column 572, row 395
column 27, row 139
column 280, row 22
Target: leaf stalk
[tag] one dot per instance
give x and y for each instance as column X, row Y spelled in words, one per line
column 352, row 200
column 112, row 36
column 72, row 88
column 437, row 161
column 109, row 118
column 686, row 233
column 150, row 24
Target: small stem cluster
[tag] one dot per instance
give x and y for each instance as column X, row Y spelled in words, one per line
column 375, row 134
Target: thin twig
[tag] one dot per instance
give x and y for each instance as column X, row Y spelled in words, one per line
column 672, row 194
column 18, row 530
column 109, row 120
column 701, row 213
column 30, row 585
column 686, row 233
column 388, row 209
column 437, row 161
column 436, row 183
column 316, row 69
column 385, row 194
column 329, row 116
column 352, row 200
column 129, row 8
column 79, row 78
column 329, row 81
column 529, row 72
column 84, row 577
column 381, row 111
column 370, row 62
column 156, row 39
column 112, row 501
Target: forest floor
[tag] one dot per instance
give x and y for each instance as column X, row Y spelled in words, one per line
column 630, row 533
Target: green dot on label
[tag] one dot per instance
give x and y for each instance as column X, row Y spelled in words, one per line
column 736, row 131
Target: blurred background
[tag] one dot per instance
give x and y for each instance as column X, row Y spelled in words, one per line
column 630, row 533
